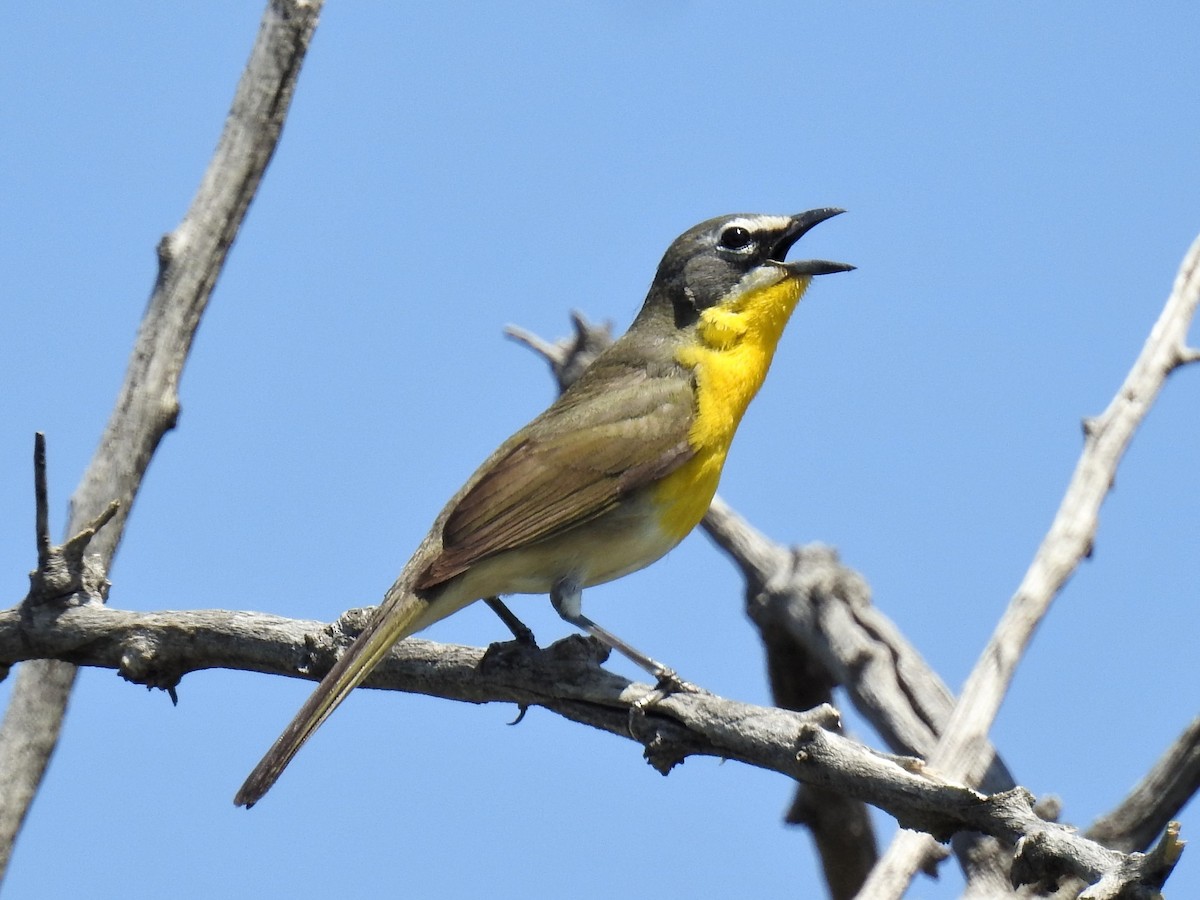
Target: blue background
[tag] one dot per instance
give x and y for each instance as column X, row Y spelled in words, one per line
column 1022, row 182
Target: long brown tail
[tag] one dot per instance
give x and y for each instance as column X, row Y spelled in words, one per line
column 393, row 621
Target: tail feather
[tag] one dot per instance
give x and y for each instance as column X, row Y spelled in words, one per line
column 393, row 620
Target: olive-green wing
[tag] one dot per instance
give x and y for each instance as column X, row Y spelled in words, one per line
column 573, row 463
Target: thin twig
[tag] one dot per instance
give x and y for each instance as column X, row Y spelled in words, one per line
column 568, row 357
column 41, row 500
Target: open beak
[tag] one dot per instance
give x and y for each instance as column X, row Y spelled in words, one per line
column 801, row 224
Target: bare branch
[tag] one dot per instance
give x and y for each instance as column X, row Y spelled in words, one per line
column 190, row 259
column 806, row 598
column 962, row 750
column 159, row 648
column 64, row 574
column 570, row 356
column 807, row 594
column 1167, row 787
column 41, row 501
column 840, row 826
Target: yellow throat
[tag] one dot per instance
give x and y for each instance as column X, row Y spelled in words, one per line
column 735, row 342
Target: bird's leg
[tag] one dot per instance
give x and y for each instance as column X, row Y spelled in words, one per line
column 520, row 630
column 567, row 598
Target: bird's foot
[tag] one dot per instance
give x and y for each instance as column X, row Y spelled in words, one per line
column 668, row 683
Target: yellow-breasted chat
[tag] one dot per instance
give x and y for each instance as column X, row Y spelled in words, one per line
column 615, row 472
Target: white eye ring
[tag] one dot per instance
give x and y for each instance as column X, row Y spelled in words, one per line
column 737, row 238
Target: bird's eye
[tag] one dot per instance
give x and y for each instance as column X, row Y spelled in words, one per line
column 736, row 238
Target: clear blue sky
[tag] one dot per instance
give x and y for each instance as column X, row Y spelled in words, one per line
column 1022, row 182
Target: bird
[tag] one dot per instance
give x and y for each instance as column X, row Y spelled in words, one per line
column 614, row 473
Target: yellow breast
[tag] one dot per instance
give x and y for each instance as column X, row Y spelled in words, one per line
column 735, row 343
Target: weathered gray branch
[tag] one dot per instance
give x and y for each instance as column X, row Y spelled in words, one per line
column 840, row 826
column 190, row 259
column 807, row 594
column 1156, row 799
column 159, row 648
column 962, row 751
column 804, row 597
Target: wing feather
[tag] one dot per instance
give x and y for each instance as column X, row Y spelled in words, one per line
column 575, row 462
